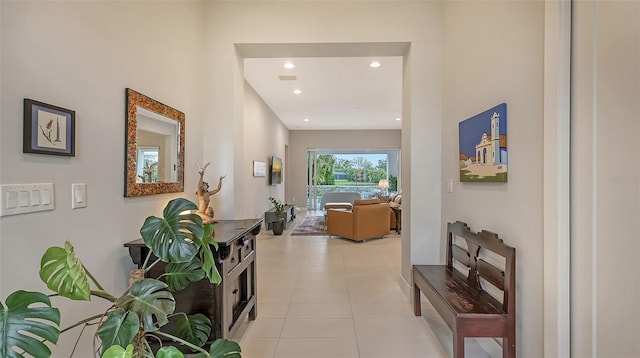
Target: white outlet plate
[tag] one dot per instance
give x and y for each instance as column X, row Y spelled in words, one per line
column 78, row 196
column 26, row 198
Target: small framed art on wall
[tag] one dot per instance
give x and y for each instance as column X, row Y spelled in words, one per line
column 48, row 129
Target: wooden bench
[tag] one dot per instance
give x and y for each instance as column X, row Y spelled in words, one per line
column 460, row 299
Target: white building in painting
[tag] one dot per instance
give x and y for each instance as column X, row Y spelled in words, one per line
column 492, row 149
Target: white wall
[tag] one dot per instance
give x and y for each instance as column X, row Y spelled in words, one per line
column 301, row 141
column 266, row 22
column 82, row 56
column 494, row 53
column 605, row 179
column 556, row 179
column 265, row 136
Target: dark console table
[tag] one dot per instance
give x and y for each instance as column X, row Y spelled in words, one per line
column 270, row 215
column 235, row 298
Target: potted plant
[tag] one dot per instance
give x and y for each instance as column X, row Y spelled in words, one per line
column 278, row 209
column 29, row 321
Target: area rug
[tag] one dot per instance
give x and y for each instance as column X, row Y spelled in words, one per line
column 310, row 226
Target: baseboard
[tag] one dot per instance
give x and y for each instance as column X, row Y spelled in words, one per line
column 406, row 288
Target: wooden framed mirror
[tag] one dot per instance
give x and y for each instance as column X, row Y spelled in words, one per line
column 154, row 147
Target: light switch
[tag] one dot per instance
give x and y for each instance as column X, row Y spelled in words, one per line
column 46, row 196
column 35, row 197
column 23, row 198
column 449, row 185
column 12, row 199
column 78, row 195
column 26, row 198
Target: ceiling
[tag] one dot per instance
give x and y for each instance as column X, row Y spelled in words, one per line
column 337, row 93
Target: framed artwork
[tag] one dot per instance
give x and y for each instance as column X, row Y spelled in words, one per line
column 276, row 170
column 48, row 129
column 483, row 146
column 259, row 169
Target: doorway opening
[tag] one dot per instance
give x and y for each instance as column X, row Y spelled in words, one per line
column 371, row 173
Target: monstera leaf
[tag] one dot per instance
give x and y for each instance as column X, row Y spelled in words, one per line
column 129, row 352
column 180, row 276
column 63, row 273
column 26, row 327
column 224, row 348
column 169, row 352
column 149, row 298
column 206, row 255
column 120, row 328
column 118, row 352
column 194, row 329
column 178, row 235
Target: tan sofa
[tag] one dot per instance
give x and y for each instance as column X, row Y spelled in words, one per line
column 367, row 219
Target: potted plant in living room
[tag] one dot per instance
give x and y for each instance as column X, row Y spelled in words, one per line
column 28, row 320
column 278, row 209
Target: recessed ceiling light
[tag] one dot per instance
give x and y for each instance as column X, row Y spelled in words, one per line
column 398, row 119
column 289, row 65
column 297, row 91
column 306, row 119
column 375, row 64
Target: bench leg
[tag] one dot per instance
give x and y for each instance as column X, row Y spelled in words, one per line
column 509, row 347
column 458, row 344
column 417, row 308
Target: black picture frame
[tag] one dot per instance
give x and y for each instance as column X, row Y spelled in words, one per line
column 276, row 170
column 48, row 129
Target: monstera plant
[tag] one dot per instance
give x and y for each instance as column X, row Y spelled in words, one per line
column 29, row 322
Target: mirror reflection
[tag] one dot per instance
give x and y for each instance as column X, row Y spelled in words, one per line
column 155, row 147
column 147, row 169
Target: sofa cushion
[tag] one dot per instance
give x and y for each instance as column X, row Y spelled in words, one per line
column 366, row 202
column 338, row 197
column 347, row 206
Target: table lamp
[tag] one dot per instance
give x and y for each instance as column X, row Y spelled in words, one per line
column 384, row 185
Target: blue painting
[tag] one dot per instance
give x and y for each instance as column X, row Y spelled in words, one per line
column 483, row 146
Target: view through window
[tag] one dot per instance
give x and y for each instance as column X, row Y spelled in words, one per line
column 369, row 173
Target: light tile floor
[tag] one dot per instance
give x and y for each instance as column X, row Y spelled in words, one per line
column 321, row 296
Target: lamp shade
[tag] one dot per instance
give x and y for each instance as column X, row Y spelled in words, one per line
column 383, row 184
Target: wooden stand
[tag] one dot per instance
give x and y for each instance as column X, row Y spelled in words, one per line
column 270, row 215
column 230, row 302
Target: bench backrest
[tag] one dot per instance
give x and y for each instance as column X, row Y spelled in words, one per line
column 502, row 279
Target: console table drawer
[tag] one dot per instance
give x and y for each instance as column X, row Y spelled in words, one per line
column 228, row 303
column 234, row 259
column 247, row 245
